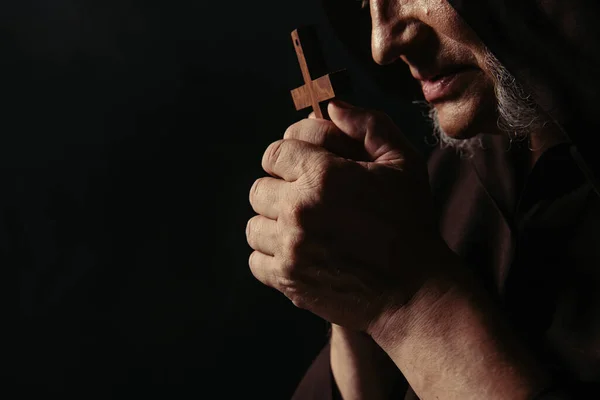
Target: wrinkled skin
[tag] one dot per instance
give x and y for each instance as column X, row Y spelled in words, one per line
column 430, row 37
column 339, row 237
column 352, row 241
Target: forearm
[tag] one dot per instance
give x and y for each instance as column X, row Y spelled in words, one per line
column 451, row 343
column 362, row 370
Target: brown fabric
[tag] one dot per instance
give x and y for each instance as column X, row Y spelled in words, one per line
column 534, row 241
column 535, row 244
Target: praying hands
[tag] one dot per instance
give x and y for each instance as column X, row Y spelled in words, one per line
column 345, row 229
column 351, row 241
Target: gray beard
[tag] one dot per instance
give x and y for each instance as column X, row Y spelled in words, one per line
column 518, row 114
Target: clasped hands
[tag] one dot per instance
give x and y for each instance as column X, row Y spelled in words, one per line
column 345, row 225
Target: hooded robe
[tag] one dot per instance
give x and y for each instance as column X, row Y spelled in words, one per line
column 533, row 237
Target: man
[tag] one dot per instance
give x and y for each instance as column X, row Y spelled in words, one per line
column 477, row 277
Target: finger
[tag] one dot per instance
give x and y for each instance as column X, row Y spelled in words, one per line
column 264, row 267
column 325, row 134
column 262, row 235
column 290, row 159
column 312, row 115
column 267, row 270
column 266, row 195
column 381, row 138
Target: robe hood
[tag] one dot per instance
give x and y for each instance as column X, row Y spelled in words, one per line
column 550, row 46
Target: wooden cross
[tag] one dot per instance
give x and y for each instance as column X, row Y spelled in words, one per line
column 319, row 90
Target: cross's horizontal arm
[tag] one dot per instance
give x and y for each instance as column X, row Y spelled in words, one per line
column 325, row 88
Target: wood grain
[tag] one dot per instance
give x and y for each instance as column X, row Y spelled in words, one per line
column 315, row 91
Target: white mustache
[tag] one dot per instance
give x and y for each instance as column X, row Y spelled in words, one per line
column 518, row 115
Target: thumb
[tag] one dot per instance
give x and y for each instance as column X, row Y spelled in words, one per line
column 381, row 138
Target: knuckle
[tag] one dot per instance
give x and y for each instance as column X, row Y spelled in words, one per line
column 289, row 283
column 286, row 284
column 273, row 153
column 328, row 166
column 322, row 133
column 377, row 119
column 317, row 177
column 298, row 215
column 327, row 174
column 373, row 120
column 249, row 227
column 293, row 131
column 252, row 263
column 291, row 290
column 293, row 245
column 317, row 132
column 288, row 271
column 250, row 233
column 255, row 190
column 299, row 302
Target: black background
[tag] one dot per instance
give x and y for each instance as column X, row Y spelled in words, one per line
column 131, row 134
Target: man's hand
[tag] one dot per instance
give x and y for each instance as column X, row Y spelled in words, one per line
column 360, row 368
column 349, row 240
column 355, row 243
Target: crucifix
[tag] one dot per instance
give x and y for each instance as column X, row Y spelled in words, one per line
column 315, row 91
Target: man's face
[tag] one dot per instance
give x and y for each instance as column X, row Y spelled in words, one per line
column 444, row 55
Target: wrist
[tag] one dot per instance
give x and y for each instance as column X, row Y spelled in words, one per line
column 354, row 344
column 346, row 334
column 451, row 334
column 361, row 369
column 433, row 296
column 424, row 311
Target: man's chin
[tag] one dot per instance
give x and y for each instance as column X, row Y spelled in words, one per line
column 470, row 113
column 455, row 125
column 458, row 135
column 465, row 141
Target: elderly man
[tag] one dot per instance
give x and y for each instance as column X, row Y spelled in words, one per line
column 475, row 275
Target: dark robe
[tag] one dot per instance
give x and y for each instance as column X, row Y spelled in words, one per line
column 534, row 240
column 535, row 245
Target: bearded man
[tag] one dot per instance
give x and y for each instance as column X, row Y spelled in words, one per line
column 474, row 274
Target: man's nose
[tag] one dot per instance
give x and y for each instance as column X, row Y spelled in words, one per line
column 393, row 30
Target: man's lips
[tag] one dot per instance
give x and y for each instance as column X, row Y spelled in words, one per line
column 439, row 73
column 438, row 86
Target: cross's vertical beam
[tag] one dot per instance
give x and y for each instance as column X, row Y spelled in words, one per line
column 304, row 51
